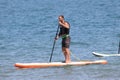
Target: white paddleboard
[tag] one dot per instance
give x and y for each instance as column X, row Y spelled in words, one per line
column 104, row 55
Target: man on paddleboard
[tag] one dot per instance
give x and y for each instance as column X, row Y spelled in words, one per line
column 64, row 34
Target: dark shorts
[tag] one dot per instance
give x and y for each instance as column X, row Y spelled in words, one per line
column 66, row 42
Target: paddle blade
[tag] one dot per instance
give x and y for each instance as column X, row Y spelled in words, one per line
column 119, row 48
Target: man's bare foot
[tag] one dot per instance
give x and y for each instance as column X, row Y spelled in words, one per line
column 67, row 61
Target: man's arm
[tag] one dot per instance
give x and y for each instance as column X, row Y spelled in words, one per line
column 65, row 24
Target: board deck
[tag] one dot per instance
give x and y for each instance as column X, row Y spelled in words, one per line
column 58, row 64
column 104, row 55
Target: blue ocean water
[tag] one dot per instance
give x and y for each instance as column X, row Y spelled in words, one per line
column 28, row 27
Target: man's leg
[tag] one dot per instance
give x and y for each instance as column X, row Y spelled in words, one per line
column 66, row 52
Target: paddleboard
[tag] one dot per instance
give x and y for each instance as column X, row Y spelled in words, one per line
column 58, row 64
column 104, row 55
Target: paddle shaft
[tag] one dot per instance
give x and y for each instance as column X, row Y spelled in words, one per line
column 54, row 44
column 119, row 48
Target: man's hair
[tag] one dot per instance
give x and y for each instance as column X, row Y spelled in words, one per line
column 61, row 16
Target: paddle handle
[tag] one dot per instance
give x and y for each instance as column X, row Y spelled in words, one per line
column 52, row 51
column 119, row 48
column 54, row 44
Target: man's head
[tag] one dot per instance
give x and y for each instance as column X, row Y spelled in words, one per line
column 61, row 18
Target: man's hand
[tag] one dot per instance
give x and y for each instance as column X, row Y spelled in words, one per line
column 60, row 22
column 57, row 37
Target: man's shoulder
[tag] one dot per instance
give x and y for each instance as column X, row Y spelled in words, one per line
column 67, row 23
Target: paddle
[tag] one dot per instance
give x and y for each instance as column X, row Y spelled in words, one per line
column 54, row 44
column 119, row 48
